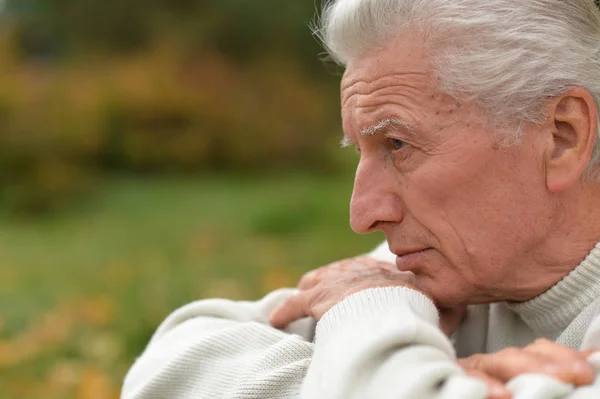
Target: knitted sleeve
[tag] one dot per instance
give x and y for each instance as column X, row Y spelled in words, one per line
column 384, row 343
column 216, row 348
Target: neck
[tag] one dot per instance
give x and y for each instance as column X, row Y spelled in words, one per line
column 574, row 231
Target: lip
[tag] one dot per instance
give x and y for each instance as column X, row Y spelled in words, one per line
column 407, row 261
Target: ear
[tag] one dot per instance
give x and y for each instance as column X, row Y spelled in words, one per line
column 574, row 120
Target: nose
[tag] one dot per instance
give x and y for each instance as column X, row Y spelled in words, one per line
column 374, row 200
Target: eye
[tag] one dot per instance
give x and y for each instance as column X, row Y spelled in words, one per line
column 396, row 143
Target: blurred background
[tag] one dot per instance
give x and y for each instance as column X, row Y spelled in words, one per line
column 154, row 152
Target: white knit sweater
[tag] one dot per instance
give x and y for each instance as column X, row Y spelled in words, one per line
column 380, row 343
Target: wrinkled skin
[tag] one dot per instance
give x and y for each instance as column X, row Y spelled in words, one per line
column 444, row 185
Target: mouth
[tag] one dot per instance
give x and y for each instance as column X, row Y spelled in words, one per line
column 409, row 260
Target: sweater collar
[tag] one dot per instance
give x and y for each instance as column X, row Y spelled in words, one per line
column 551, row 312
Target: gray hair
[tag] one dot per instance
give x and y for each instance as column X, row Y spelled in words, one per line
column 507, row 56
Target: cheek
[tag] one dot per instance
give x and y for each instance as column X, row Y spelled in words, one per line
column 478, row 208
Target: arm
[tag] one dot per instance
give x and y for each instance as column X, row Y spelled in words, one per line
column 379, row 336
column 385, row 343
column 223, row 349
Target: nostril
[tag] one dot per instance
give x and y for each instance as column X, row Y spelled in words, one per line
column 375, row 226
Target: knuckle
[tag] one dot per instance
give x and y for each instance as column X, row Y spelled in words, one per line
column 320, row 273
column 475, row 361
column 365, row 261
column 510, row 351
column 293, row 301
column 302, row 301
column 341, row 265
column 543, row 342
column 310, row 275
column 477, row 374
column 306, row 279
column 353, row 261
column 357, row 263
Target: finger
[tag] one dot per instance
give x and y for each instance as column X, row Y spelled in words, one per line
column 355, row 264
column 505, row 364
column 570, row 365
column 359, row 263
column 553, row 350
column 365, row 261
column 292, row 309
column 564, row 363
column 511, row 362
column 309, row 280
column 496, row 389
column 392, row 267
column 312, row 278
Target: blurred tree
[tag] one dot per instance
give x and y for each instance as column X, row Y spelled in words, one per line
column 158, row 86
column 241, row 29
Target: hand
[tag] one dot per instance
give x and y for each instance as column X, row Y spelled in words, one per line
column 542, row 356
column 323, row 288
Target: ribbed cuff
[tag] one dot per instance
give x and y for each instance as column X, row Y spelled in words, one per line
column 377, row 306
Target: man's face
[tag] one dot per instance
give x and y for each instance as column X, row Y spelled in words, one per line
column 464, row 214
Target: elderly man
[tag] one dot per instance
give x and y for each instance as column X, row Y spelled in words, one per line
column 476, row 123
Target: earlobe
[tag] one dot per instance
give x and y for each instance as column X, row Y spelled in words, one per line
column 575, row 123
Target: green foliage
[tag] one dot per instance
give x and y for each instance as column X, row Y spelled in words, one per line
column 81, row 293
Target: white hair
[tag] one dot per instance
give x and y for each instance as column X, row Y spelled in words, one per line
column 507, row 56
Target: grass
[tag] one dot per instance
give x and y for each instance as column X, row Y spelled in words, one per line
column 81, row 292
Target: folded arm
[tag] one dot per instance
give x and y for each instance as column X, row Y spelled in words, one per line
column 378, row 342
column 385, row 343
column 223, row 349
column 378, row 336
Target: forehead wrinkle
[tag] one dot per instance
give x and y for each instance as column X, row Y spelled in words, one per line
column 374, row 106
column 371, row 87
column 366, row 81
column 385, row 93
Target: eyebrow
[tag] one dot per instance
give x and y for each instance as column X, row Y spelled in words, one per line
column 380, row 127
